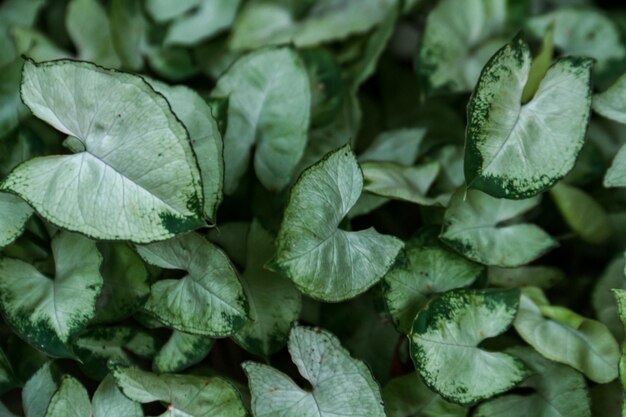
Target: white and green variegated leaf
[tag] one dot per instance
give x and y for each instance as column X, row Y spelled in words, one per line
column 472, row 228
column 524, row 276
column 603, row 299
column 421, row 272
column 55, row 309
column 269, row 103
column 516, row 150
column 274, row 302
column 558, row 391
column 39, row 390
column 98, row 345
column 563, row 336
column 610, row 103
column 324, row 261
column 181, row 351
column 458, row 39
column 340, row 384
column 444, row 345
column 108, row 401
column 208, row 300
column 184, row 395
column 70, row 400
column 209, row 19
column 14, row 213
column 137, row 178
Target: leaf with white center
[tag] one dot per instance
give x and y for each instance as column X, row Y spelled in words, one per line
column 620, row 297
column 274, row 302
column 108, row 401
column 401, row 146
column 472, row 228
column 55, row 309
column 205, row 137
column 420, row 273
column 210, row 18
column 208, row 300
column 340, row 384
column 14, row 213
column 603, row 299
column 324, row 261
column 558, row 391
column 97, row 346
column 181, row 351
column 516, row 150
column 444, row 345
column 563, row 336
column 269, row 104
column 184, row 395
column 70, row 400
column 136, row 180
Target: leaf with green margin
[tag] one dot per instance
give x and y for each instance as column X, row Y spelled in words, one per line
column 582, row 213
column 603, row 300
column 210, row 17
column 127, row 190
column 129, row 32
column 401, row 146
column 14, row 213
column 588, row 347
column 181, row 351
column 610, row 102
column 472, row 228
column 407, row 396
column 164, row 10
column 458, row 39
column 39, row 390
column 558, row 391
column 70, row 400
column 56, row 309
column 186, row 395
column 108, row 401
column 524, row 276
column 205, row 137
column 421, row 272
column 208, row 300
column 324, row 261
column 88, row 26
column 341, row 385
column 444, row 345
column 274, row 302
column 98, row 345
column 269, row 104
column 517, row 151
column 7, row 376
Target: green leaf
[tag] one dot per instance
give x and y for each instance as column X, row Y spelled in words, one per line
column 610, row 103
column 524, row 276
column 126, row 189
column 97, row 346
column 324, row 261
column 268, row 110
column 444, row 345
column 164, row 10
column 14, row 213
column 55, row 309
column 185, row 395
column 208, row 300
column 517, row 151
column 274, row 302
column 603, row 300
column 472, row 227
column 7, row 376
column 39, row 390
column 181, row 351
column 12, row 110
column 616, row 174
column 558, row 390
column 420, row 273
column 108, row 401
column 591, row 348
column 401, row 146
column 210, row 17
column 71, row 400
column 340, row 384
column 128, row 32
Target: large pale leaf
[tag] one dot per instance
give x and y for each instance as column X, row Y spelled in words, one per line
column 208, row 300
column 472, row 228
column 268, row 110
column 324, row 261
column 108, row 401
column 181, row 351
column 137, row 178
column 14, row 213
column 210, row 17
column 516, row 150
column 55, row 310
column 444, row 345
column 340, row 384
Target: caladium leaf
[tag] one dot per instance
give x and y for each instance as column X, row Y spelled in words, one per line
column 56, row 309
column 14, row 213
column 341, row 385
column 517, row 151
column 620, row 297
column 471, row 227
column 324, row 261
column 108, row 401
column 181, row 351
column 185, row 395
column 558, row 391
column 210, row 17
column 39, row 389
column 444, row 345
column 208, row 300
column 268, row 110
column 136, row 180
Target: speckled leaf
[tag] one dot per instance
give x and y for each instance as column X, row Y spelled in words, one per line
column 208, row 300
column 210, row 17
column 584, row 344
column 444, row 345
column 108, row 401
column 472, row 228
column 184, row 395
column 603, row 300
column 274, row 302
column 14, row 213
column 7, row 377
column 269, row 104
column 324, row 261
column 515, row 150
column 558, row 391
column 70, row 400
column 96, row 346
column 420, row 273
column 181, row 351
column 55, row 309
column 39, row 389
column 340, row 384
column 120, row 187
